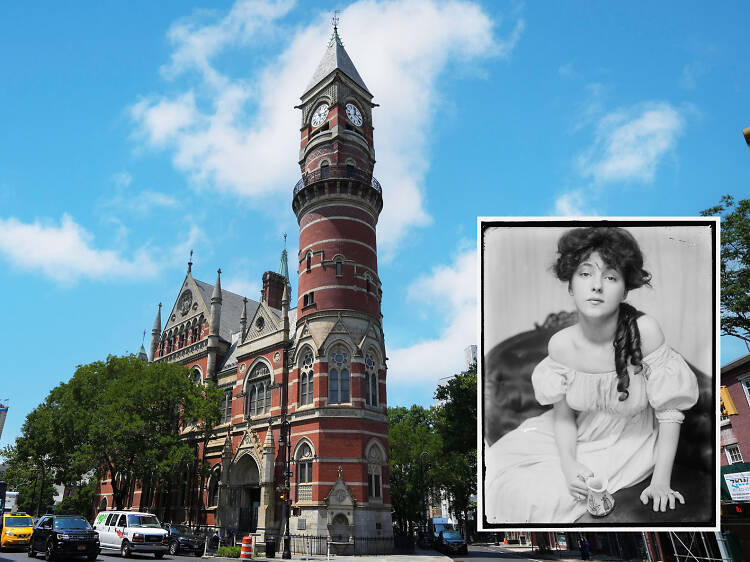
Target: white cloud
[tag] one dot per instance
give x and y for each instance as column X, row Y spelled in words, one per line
column 242, row 286
column 240, row 135
column 66, row 253
column 630, row 143
column 449, row 290
column 141, row 203
column 573, row 203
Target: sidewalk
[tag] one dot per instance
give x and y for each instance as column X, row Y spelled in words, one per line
column 419, row 554
column 527, row 552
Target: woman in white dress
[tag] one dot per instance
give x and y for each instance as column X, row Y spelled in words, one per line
column 618, row 393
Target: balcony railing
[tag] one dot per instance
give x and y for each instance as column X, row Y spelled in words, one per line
column 337, row 172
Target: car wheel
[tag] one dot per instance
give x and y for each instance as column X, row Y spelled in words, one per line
column 92, row 556
column 174, row 548
column 49, row 553
column 31, row 552
column 158, row 555
column 125, row 550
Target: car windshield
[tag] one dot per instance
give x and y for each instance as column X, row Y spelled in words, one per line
column 451, row 535
column 18, row 522
column 143, row 521
column 71, row 523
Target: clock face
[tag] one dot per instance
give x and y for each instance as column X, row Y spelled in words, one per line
column 320, row 115
column 353, row 114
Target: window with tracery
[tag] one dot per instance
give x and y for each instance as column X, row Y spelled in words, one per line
column 304, row 460
column 371, row 381
column 306, row 379
column 258, row 390
column 338, row 376
column 213, row 487
column 375, row 473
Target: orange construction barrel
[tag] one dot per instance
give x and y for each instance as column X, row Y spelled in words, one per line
column 247, row 547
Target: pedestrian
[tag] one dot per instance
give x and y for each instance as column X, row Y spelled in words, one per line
column 584, row 545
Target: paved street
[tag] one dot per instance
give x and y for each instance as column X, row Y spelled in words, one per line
column 476, row 553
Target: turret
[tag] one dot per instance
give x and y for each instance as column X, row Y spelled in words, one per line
column 156, row 333
column 243, row 319
column 213, row 328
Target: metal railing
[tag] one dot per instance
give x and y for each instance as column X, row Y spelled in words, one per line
column 337, row 172
column 319, row 544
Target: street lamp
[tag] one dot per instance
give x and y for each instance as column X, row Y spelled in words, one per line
column 424, row 491
column 285, row 448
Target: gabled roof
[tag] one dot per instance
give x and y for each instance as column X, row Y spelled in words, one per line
column 231, row 309
column 335, row 58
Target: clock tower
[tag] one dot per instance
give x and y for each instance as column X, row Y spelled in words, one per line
column 338, row 373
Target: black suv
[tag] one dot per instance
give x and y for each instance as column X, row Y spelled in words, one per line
column 181, row 539
column 67, row 535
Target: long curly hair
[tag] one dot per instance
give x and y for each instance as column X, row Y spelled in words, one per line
column 619, row 250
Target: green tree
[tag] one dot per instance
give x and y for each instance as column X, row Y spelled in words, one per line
column 79, row 502
column 414, row 447
column 735, row 266
column 456, row 425
column 121, row 417
column 23, row 476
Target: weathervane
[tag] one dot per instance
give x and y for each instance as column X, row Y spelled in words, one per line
column 190, row 261
column 285, row 240
column 335, row 35
column 335, row 20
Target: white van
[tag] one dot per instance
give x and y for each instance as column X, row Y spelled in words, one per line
column 131, row 531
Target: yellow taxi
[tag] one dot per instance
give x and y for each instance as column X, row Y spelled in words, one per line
column 16, row 530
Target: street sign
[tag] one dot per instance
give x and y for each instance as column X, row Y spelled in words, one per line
column 738, row 484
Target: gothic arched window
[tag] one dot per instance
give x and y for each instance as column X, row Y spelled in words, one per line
column 213, row 487
column 306, row 379
column 338, row 376
column 258, row 389
column 304, row 458
column 375, row 473
column 371, row 381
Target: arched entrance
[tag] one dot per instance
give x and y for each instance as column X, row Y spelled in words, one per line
column 245, row 493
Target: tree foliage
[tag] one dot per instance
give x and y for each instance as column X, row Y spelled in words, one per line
column 120, row 417
column 735, row 266
column 433, row 452
column 456, row 424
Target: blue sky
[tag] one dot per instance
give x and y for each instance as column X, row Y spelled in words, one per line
column 134, row 132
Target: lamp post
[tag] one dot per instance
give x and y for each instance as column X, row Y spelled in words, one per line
column 285, row 449
column 285, row 444
column 424, row 492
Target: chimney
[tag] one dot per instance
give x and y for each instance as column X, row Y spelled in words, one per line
column 273, row 289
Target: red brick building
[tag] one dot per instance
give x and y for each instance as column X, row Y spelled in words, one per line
column 320, row 363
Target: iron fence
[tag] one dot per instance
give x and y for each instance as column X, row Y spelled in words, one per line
column 319, row 544
column 337, row 172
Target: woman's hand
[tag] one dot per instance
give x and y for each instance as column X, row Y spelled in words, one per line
column 662, row 495
column 575, row 477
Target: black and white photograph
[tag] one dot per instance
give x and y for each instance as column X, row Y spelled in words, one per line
column 598, row 373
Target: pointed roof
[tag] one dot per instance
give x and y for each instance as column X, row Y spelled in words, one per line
column 142, row 354
column 231, row 308
column 157, row 322
column 336, row 58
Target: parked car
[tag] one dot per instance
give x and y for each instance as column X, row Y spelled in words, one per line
column 452, row 543
column 66, row 535
column 15, row 530
column 182, row 539
column 131, row 531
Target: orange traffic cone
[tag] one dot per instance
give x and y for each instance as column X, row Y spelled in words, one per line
column 247, row 547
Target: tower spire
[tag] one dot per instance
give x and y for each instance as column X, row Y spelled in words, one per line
column 156, row 333
column 213, row 328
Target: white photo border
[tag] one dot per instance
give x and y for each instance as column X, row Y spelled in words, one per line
column 484, row 222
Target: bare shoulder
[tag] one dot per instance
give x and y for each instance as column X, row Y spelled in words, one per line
column 561, row 346
column 651, row 335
